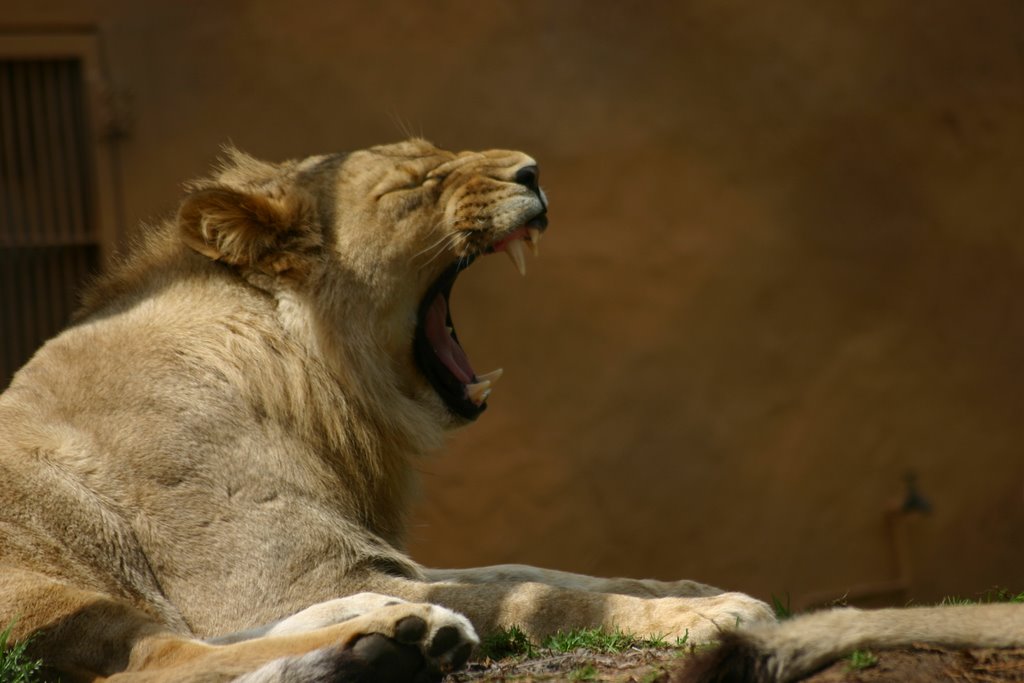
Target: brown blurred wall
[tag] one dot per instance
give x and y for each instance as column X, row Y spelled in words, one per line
column 785, row 264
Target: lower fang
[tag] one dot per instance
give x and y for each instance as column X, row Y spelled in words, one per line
column 491, row 377
column 478, row 391
column 534, row 241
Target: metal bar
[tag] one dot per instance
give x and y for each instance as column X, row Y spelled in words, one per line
column 26, row 151
column 48, row 227
column 81, row 186
column 13, row 232
column 59, row 180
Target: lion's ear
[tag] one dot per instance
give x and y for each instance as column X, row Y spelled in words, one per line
column 249, row 230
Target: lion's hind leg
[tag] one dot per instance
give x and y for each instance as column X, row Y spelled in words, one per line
column 83, row 634
column 89, row 636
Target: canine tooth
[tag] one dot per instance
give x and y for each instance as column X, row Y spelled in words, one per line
column 450, row 329
column 515, row 252
column 478, row 391
column 492, row 376
column 534, row 241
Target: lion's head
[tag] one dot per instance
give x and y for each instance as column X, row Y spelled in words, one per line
column 371, row 243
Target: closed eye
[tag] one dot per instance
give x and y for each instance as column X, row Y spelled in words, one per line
column 413, row 184
column 430, row 181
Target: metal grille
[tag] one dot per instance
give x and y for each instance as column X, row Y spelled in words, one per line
column 48, row 244
column 44, row 177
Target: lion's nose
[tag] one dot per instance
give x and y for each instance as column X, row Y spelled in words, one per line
column 530, row 177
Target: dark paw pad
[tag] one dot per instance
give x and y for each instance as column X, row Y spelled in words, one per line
column 460, row 656
column 410, row 630
column 383, row 660
column 445, row 639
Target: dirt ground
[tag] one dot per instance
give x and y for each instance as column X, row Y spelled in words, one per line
column 919, row 664
column 642, row 665
column 925, row 663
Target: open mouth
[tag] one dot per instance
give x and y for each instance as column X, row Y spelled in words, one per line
column 440, row 357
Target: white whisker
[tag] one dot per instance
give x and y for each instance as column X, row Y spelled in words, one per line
column 444, row 244
column 404, row 126
column 430, row 247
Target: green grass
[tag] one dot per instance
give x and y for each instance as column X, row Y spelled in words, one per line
column 861, row 659
column 957, row 600
column 600, row 640
column 990, row 596
column 782, row 611
column 15, row 666
column 1003, row 595
column 584, row 673
column 508, row 642
column 652, row 676
column 513, row 642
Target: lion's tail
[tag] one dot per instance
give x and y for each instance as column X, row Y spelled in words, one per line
column 789, row 650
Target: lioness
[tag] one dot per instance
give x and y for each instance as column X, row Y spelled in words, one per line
column 227, row 436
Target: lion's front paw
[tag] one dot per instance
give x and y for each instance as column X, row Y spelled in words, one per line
column 443, row 638
column 732, row 610
column 378, row 639
column 725, row 612
column 332, row 612
column 697, row 619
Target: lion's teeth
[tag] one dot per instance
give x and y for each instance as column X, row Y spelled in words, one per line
column 450, row 329
column 478, row 391
column 492, row 376
column 534, row 241
column 514, row 249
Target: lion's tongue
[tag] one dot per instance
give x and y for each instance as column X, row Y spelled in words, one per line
column 447, row 349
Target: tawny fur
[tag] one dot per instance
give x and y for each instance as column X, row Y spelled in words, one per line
column 227, row 433
column 793, row 649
